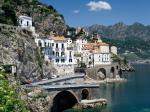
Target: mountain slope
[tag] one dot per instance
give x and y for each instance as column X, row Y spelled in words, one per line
column 133, row 38
column 46, row 19
column 121, row 31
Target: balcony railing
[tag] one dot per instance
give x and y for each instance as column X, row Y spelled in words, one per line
column 59, row 57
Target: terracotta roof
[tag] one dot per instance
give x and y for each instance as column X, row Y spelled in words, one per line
column 101, row 44
column 88, row 46
column 92, row 46
column 58, row 38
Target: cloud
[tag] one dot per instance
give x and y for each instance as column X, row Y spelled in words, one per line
column 100, row 5
column 76, row 11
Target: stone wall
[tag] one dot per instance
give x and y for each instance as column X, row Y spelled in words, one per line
column 110, row 71
column 8, row 27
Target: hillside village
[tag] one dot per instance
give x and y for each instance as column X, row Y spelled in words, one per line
column 66, row 54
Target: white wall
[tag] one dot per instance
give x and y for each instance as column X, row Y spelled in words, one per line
column 25, row 21
column 79, row 45
column 104, row 49
column 48, row 51
column 102, row 59
column 114, row 50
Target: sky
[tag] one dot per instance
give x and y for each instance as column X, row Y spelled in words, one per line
column 104, row 12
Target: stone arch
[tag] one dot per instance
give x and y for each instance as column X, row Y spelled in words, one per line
column 101, row 73
column 85, row 94
column 112, row 72
column 64, row 100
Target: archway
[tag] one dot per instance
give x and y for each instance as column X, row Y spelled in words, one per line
column 63, row 100
column 39, row 43
column 112, row 72
column 85, row 94
column 101, row 73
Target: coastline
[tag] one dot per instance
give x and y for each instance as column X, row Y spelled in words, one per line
column 108, row 80
column 141, row 62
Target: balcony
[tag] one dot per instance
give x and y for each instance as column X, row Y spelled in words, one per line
column 56, row 49
column 62, row 49
column 59, row 57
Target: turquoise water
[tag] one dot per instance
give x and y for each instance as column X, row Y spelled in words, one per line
column 131, row 96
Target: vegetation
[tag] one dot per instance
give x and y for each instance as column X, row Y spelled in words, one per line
column 8, row 14
column 10, row 7
column 73, row 35
column 9, row 99
column 134, row 38
column 131, row 45
column 40, row 59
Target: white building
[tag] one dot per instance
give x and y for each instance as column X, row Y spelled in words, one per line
column 96, row 54
column 59, row 51
column 79, row 43
column 26, row 22
column 114, row 50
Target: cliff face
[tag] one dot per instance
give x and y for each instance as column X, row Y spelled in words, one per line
column 20, row 49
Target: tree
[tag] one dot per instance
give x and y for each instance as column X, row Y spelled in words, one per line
column 125, row 60
column 9, row 14
column 9, row 101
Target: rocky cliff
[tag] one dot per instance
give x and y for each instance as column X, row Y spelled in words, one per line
column 20, row 49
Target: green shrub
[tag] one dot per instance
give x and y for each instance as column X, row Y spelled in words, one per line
column 9, row 100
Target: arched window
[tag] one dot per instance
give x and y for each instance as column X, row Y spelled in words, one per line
column 39, row 43
column 21, row 21
column 53, row 53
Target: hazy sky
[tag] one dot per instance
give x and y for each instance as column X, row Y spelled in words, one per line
column 106, row 12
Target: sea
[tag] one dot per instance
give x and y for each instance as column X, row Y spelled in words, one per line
column 130, row 96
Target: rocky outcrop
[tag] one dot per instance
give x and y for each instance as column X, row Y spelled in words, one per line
column 37, row 100
column 20, row 49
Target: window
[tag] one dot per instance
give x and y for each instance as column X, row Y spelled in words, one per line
column 89, row 57
column 48, row 52
column 52, row 44
column 21, row 21
column 57, row 54
column 70, row 60
column 39, row 43
column 57, row 60
column 62, row 46
column 70, row 54
column 53, row 53
column 56, row 45
column 63, row 60
column 45, row 44
column 27, row 23
column 62, row 53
